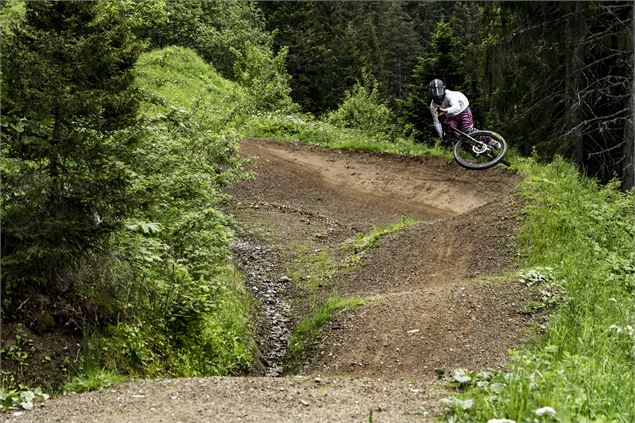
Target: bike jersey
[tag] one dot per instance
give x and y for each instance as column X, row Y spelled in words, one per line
column 454, row 101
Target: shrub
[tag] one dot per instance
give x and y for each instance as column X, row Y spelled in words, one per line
column 67, row 133
column 265, row 78
column 363, row 109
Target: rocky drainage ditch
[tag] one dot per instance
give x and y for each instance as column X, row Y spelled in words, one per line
column 267, row 285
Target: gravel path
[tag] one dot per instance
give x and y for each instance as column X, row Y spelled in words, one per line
column 226, row 399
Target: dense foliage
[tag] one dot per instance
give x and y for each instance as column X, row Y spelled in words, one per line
column 330, row 43
column 362, row 109
column 558, row 77
column 212, row 28
column 184, row 305
column 112, row 183
column 68, row 133
column 265, row 78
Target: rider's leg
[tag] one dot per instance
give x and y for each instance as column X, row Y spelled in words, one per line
column 452, row 121
column 464, row 121
column 466, row 124
column 450, row 137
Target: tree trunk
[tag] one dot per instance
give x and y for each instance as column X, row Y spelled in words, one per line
column 628, row 155
column 574, row 64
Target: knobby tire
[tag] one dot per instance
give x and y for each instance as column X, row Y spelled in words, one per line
column 478, row 163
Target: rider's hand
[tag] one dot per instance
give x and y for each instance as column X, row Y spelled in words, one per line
column 440, row 111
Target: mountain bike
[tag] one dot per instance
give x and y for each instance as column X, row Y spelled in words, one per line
column 480, row 149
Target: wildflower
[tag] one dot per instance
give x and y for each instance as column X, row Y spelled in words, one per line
column 616, row 328
column 545, row 411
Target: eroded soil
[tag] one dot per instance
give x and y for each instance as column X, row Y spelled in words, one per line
column 438, row 295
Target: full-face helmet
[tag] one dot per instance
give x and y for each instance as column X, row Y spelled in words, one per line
column 437, row 90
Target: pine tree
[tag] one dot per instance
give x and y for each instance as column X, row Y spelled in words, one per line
column 557, row 79
column 304, row 28
column 68, row 109
column 444, row 61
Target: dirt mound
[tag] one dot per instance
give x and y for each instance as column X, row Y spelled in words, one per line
column 429, row 308
column 430, row 302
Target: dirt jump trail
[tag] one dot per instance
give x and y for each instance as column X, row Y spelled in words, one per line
column 437, row 295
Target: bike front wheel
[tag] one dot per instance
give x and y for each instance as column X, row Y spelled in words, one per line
column 488, row 153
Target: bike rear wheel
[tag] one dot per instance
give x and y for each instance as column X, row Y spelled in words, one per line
column 480, row 156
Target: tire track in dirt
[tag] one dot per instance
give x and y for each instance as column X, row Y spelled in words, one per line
column 432, row 306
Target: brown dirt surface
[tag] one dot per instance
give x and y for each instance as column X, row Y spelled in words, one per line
column 438, row 295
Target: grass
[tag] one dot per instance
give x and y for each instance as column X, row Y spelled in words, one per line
column 359, row 246
column 584, row 365
column 317, row 271
column 93, row 380
column 306, row 129
column 309, row 328
column 315, row 268
column 182, row 79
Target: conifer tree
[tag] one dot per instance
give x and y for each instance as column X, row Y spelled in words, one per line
column 68, row 107
column 443, row 61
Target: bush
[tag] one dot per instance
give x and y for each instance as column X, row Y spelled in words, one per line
column 362, row 109
column 184, row 312
column 67, row 133
column 265, row 78
column 163, row 299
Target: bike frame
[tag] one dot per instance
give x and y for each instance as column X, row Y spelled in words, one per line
column 463, row 134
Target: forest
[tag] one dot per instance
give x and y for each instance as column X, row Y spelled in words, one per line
column 556, row 77
column 120, row 126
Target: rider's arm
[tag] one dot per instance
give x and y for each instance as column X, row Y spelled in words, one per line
column 457, row 102
column 454, row 109
column 435, row 119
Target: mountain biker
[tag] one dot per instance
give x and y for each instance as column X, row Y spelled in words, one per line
column 454, row 105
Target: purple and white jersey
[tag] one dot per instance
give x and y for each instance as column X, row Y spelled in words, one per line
column 454, row 101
